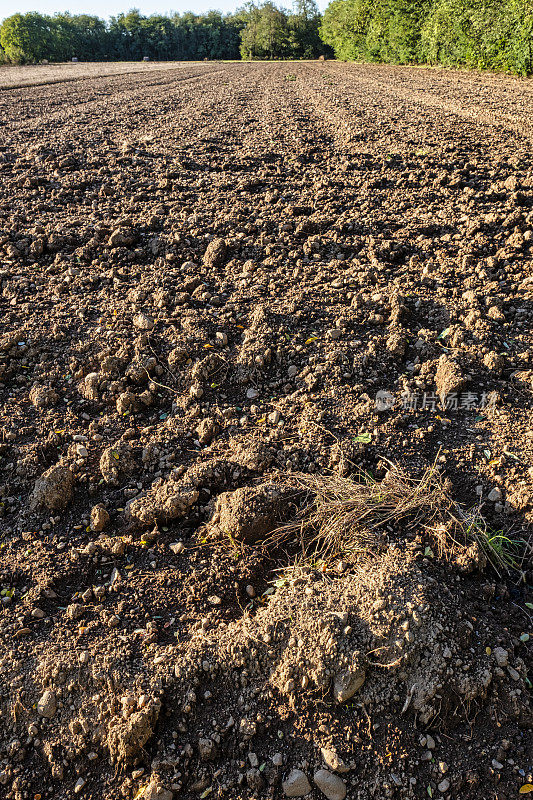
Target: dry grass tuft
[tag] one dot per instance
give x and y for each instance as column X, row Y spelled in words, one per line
column 344, row 516
column 348, row 517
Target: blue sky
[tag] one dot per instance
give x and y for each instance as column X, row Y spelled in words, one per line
column 106, row 8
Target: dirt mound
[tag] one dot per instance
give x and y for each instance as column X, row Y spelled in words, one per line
column 389, row 629
column 396, row 644
column 394, row 652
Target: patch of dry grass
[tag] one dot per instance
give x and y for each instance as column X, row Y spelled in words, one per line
column 348, row 517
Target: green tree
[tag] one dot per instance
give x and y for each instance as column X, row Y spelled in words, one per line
column 266, row 34
column 304, row 25
column 27, row 37
column 493, row 34
column 344, row 28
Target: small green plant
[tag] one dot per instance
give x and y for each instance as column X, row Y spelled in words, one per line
column 502, row 550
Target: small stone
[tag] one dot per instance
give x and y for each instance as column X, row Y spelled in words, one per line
column 78, row 786
column 501, row 656
column 444, row 785
column 347, row 683
column 143, row 322
column 495, row 494
column 222, row 338
column 251, row 394
column 38, row 613
column 277, row 759
column 47, row 704
column 296, row 785
column 177, row 548
column 330, row 785
column 430, row 742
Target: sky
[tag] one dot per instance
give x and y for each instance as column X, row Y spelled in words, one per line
column 107, row 8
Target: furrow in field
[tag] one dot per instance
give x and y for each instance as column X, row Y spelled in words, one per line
column 387, row 84
column 83, row 93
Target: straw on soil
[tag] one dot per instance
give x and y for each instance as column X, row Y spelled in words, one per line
column 348, row 516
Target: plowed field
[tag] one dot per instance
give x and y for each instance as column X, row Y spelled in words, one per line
column 235, row 297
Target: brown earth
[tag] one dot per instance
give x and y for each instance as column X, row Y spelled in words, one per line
column 14, row 76
column 208, row 273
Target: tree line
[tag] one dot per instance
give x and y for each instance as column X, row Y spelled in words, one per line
column 256, row 31
column 487, row 34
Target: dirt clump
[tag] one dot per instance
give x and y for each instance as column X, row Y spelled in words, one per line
column 53, row 490
column 167, row 501
column 250, row 513
column 43, row 396
column 449, row 378
column 127, row 737
column 116, row 462
column 215, row 253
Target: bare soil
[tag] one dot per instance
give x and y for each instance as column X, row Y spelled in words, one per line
column 15, row 77
column 209, row 273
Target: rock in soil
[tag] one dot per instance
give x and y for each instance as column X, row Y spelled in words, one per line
column 47, row 705
column 330, row 785
column 296, row 784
